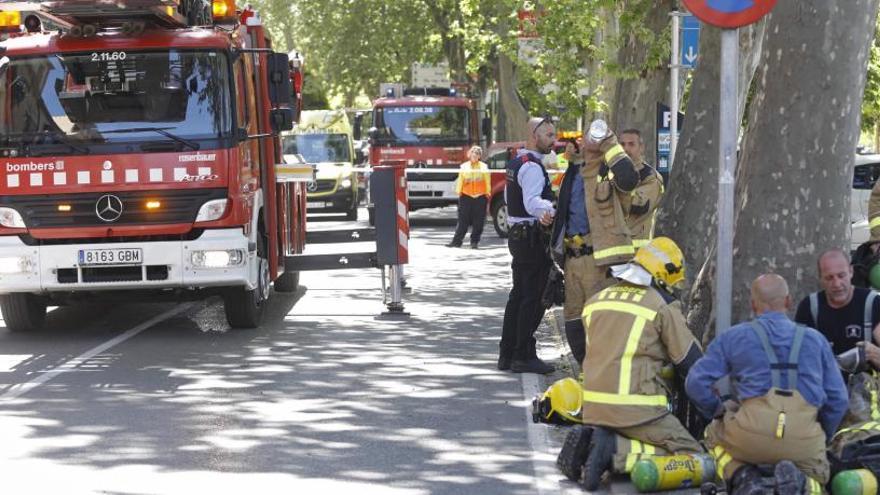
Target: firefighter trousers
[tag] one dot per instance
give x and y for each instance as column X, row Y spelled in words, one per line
column 471, row 213
column 664, row 436
column 583, row 279
column 734, row 445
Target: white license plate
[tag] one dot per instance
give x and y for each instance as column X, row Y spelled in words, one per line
column 315, row 204
column 422, row 186
column 127, row 256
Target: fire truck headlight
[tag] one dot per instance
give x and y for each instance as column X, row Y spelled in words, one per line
column 212, row 210
column 217, row 259
column 346, row 184
column 16, row 264
column 10, row 218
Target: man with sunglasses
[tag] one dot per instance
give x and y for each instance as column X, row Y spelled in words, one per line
column 530, row 208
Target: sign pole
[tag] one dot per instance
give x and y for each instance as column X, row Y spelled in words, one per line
column 673, row 87
column 728, row 131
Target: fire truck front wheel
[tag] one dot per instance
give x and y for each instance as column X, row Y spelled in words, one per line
column 23, row 312
column 245, row 308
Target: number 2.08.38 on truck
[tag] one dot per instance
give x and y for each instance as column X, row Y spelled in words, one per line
column 140, row 157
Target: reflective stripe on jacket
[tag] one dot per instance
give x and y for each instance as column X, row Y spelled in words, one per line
column 609, row 175
column 634, row 333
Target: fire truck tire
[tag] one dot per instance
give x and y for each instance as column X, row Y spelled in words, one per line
column 499, row 217
column 23, row 312
column 245, row 308
column 287, row 282
column 371, row 216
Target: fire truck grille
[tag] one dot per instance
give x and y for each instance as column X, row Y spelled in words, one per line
column 325, row 186
column 103, row 208
column 113, row 274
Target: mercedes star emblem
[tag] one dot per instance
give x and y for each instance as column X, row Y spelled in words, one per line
column 108, row 208
column 312, row 186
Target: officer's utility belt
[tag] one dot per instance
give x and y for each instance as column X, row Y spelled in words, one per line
column 576, row 246
column 522, row 230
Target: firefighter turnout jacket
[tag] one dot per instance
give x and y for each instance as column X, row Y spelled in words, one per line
column 633, row 331
column 609, row 177
column 640, row 205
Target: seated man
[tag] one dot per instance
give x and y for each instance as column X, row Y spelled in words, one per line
column 635, row 328
column 847, row 316
column 790, row 397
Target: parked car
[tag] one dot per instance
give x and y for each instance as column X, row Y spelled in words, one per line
column 865, row 174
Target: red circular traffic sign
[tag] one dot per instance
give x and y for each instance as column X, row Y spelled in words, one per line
column 729, row 13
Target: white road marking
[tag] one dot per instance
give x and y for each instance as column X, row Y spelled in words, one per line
column 17, row 391
column 543, row 462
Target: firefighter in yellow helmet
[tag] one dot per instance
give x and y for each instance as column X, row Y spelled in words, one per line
column 634, row 329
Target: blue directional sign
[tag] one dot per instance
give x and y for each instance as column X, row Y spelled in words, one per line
column 690, row 41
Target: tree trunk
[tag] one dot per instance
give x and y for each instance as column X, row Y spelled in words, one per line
column 688, row 212
column 635, row 99
column 797, row 155
column 512, row 113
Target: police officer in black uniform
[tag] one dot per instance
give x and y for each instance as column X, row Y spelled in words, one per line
column 530, row 208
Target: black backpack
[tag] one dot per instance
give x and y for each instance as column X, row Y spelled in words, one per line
column 863, row 259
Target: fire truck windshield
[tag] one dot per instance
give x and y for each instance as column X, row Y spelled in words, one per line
column 422, row 125
column 318, row 148
column 71, row 103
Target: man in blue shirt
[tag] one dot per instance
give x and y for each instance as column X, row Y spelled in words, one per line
column 530, row 207
column 789, row 396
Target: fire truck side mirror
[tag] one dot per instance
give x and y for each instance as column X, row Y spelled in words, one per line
column 282, row 119
column 280, row 87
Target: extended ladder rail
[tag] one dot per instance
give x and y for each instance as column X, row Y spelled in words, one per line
column 110, row 13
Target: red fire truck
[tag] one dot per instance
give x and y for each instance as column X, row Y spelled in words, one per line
column 429, row 128
column 140, row 157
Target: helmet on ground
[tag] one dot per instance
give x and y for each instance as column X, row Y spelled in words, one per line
column 663, row 260
column 560, row 404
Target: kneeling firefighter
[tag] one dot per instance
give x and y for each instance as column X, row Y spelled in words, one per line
column 789, row 398
column 636, row 327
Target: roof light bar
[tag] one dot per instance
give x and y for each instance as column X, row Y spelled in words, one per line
column 223, row 10
column 10, row 20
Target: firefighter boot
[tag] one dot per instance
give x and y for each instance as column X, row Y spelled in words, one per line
column 747, row 480
column 574, row 451
column 789, row 479
column 577, row 339
column 603, row 443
